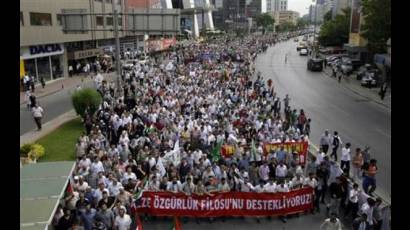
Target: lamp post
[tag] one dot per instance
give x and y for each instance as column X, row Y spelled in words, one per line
column 314, row 29
column 117, row 47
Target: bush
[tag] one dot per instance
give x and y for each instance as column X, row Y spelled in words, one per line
column 87, row 99
column 25, row 149
column 33, row 151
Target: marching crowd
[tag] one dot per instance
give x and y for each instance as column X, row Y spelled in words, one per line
column 162, row 133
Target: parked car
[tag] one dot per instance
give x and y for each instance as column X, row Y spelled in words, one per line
column 370, row 79
column 315, row 64
column 364, row 69
column 346, row 66
column 356, row 63
column 303, row 52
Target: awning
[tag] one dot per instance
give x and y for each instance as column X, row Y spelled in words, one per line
column 42, row 185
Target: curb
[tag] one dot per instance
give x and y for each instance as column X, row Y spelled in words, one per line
column 33, row 135
column 313, row 153
column 53, row 92
column 356, row 92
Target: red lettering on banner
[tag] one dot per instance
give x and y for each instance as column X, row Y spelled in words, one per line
column 226, row 204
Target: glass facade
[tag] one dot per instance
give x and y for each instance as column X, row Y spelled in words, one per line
column 49, row 67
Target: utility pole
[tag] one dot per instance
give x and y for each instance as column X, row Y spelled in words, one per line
column 117, row 48
column 314, row 28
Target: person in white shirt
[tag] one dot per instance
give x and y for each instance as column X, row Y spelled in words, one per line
column 282, row 187
column 98, row 192
column 37, row 115
column 270, row 186
column 281, row 171
column 320, row 156
column 368, row 208
column 114, row 187
column 96, row 167
column 353, row 205
column 223, row 186
column 297, row 182
column 128, row 175
column 123, row 220
column 345, row 159
column 174, row 186
column 331, row 223
column 188, row 187
column 82, row 185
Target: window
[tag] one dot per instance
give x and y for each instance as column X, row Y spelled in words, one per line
column 109, row 1
column 21, row 19
column 100, row 20
column 109, row 21
column 120, row 21
column 40, row 19
column 59, row 19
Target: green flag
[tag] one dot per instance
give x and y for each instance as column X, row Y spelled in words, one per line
column 216, row 152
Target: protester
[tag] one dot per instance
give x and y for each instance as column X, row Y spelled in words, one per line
column 38, row 115
column 194, row 121
column 332, row 223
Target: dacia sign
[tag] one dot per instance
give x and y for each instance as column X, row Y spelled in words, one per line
column 42, row 49
column 37, row 51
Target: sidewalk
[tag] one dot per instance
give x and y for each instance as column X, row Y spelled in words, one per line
column 47, row 128
column 57, row 85
column 369, row 93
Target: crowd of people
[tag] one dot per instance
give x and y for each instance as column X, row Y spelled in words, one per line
column 159, row 131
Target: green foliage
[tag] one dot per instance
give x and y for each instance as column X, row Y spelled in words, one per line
column 335, row 32
column 87, row 99
column 33, row 151
column 287, row 26
column 328, row 16
column 265, row 20
column 25, row 149
column 301, row 23
column 377, row 24
column 60, row 144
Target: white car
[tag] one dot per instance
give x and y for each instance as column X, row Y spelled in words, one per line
column 303, row 52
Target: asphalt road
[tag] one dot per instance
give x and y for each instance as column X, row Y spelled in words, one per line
column 54, row 105
column 357, row 119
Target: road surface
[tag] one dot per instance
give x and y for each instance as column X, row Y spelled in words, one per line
column 357, row 119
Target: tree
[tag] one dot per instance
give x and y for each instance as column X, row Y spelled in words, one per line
column 86, row 100
column 286, row 26
column 264, row 20
column 377, row 24
column 336, row 32
column 302, row 23
column 327, row 16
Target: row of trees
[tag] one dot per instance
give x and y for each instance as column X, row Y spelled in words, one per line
column 376, row 27
column 266, row 21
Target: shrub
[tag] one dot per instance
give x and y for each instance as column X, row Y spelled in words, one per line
column 86, row 100
column 33, row 151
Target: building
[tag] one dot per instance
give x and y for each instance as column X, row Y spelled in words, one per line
column 255, row 7
column 276, row 5
column 338, row 6
column 50, row 41
column 357, row 44
column 287, row 16
column 46, row 49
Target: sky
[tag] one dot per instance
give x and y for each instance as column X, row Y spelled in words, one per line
column 300, row 6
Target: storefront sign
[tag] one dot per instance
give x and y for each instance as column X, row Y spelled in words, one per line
column 41, row 51
column 226, row 204
column 300, row 147
column 159, row 45
column 87, row 53
column 45, row 49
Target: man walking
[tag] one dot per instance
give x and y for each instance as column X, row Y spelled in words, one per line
column 325, row 141
column 336, row 141
column 38, row 114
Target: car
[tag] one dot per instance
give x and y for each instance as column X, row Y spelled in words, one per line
column 365, row 69
column 369, row 79
column 301, row 45
column 346, row 65
column 303, row 52
column 315, row 64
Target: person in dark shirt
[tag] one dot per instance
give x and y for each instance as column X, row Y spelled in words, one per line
column 336, row 192
column 108, row 200
column 67, row 221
